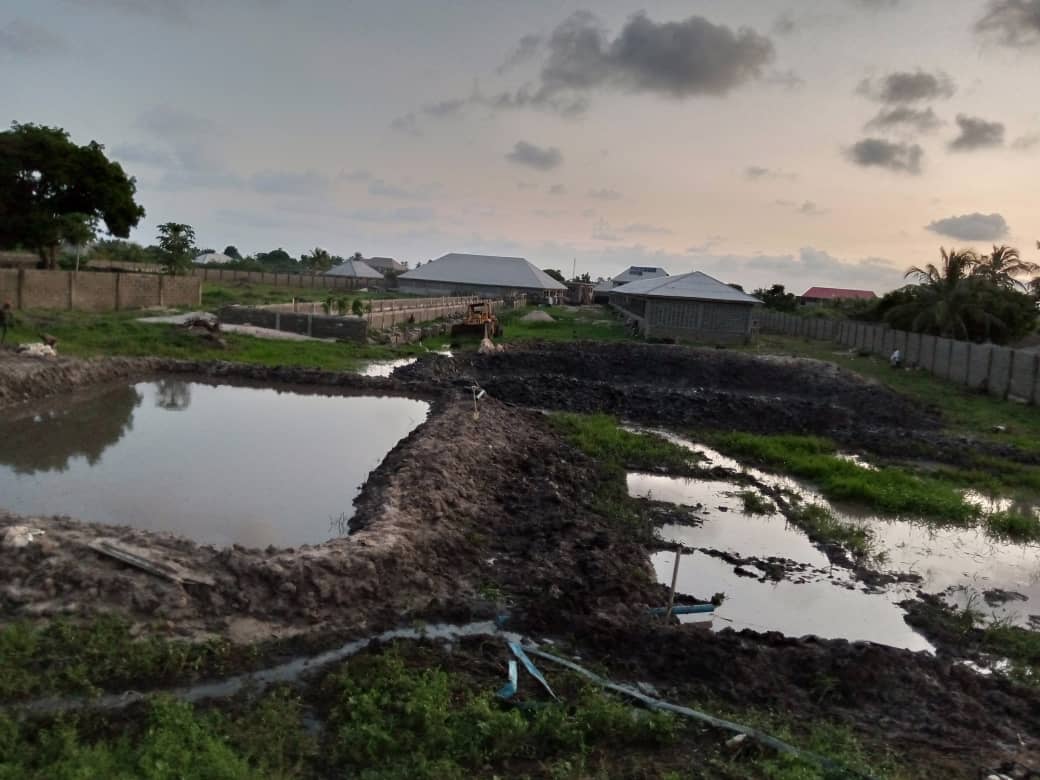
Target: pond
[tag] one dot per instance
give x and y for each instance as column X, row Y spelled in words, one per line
column 219, row 464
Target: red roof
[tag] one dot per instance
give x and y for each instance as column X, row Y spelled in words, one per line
column 837, row 294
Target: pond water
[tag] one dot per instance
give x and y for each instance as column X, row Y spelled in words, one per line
column 219, row 464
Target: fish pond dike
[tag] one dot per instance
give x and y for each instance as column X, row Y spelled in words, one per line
column 220, row 464
column 766, row 574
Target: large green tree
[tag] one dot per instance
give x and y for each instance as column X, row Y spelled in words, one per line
column 177, row 242
column 318, row 261
column 777, row 298
column 45, row 179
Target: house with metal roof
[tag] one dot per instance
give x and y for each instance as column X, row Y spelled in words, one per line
column 693, row 307
column 488, row 275
column 636, row 273
column 828, row 294
column 355, row 269
column 386, row 265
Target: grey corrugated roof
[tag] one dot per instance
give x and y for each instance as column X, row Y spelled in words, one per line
column 636, row 272
column 487, row 270
column 355, row 268
column 693, row 286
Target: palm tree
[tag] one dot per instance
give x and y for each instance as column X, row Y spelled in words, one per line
column 319, row 260
column 946, row 299
column 1002, row 266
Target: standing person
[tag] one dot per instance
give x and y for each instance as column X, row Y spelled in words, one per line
column 6, row 320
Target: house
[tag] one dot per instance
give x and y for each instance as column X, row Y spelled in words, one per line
column 834, row 294
column 385, row 265
column 213, row 258
column 488, row 275
column 635, row 273
column 356, row 269
column 693, row 306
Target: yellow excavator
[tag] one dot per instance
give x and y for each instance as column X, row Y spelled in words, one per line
column 480, row 322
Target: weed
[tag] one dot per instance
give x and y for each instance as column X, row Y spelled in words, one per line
column 820, row 524
column 600, row 437
column 587, row 323
column 1016, row 526
column 755, row 503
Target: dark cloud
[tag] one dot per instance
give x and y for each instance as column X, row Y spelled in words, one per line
column 568, row 106
column 787, row 79
column 679, row 59
column 542, row 158
column 758, row 172
column 785, row 24
column 1014, row 23
column 605, row 194
column 971, row 227
column 445, row 108
column 908, row 87
column 289, row 183
column 976, row 133
column 879, row 153
column 526, row 50
column 920, row 120
column 20, row 39
column 557, row 189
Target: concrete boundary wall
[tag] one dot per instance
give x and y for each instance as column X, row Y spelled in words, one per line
column 998, row 371
column 386, row 313
column 85, row 291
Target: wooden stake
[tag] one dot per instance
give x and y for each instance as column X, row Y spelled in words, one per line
column 675, row 578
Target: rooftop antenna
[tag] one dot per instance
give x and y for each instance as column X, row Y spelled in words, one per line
column 574, row 267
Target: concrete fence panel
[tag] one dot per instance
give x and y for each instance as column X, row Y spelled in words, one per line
column 927, row 349
column 97, row 292
column 979, row 358
column 136, row 291
column 45, row 289
column 1000, row 372
column 912, row 356
column 1023, row 374
column 959, row 351
column 943, row 349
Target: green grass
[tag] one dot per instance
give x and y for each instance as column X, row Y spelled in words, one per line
column 755, row 503
column 1015, row 526
column 62, row 657
column 601, row 437
column 887, row 489
column 962, row 410
column 81, row 334
column 821, row 525
column 584, row 323
column 217, row 294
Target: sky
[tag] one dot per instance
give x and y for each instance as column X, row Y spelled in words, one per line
column 801, row 142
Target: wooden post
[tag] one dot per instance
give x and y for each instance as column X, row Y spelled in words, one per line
column 675, row 579
column 19, row 294
column 72, row 281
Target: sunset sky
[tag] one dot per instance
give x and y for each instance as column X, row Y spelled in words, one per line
column 804, row 142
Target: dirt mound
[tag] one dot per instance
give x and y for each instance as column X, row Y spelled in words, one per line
column 537, row 316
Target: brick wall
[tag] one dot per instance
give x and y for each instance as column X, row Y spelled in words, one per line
column 85, row 291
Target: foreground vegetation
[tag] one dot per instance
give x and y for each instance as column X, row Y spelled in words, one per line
column 570, row 323
column 411, row 711
column 218, row 294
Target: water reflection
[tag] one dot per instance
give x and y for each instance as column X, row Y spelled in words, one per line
column 174, row 395
column 219, row 464
column 45, row 437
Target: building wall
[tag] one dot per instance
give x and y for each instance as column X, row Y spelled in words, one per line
column 87, row 291
column 705, row 321
column 424, row 287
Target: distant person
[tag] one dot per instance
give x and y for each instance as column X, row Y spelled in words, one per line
column 896, row 360
column 6, row 320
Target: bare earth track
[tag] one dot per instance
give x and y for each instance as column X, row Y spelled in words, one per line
column 464, row 506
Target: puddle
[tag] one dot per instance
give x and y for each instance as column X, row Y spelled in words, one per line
column 218, row 464
column 821, row 608
column 385, row 368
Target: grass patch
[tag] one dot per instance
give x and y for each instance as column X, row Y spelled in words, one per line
column 1016, row 526
column 887, row 489
column 755, row 503
column 821, row 525
column 601, row 437
column 572, row 323
column 217, row 294
column 82, row 334
column 61, row 657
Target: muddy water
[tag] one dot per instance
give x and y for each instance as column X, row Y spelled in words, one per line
column 820, row 600
column 219, row 464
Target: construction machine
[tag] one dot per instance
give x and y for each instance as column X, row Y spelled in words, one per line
column 480, row 322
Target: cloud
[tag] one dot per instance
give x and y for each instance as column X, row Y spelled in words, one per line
column 357, row 174
column 908, row 87
column 879, row 153
column 976, row 133
column 1026, row 142
column 922, row 120
column 602, row 232
column 759, row 172
column 525, row 50
column 567, row 106
column 806, row 208
column 971, row 227
column 785, row 24
column 288, row 183
column 605, row 194
column 1014, row 23
column 411, row 214
column 382, row 189
column 20, row 39
column 192, row 138
column 642, row 228
column 677, row 59
column 876, row 5
column 557, row 189
column 175, row 11
column 542, row 158
column 141, row 154
column 705, row 245
column 445, row 108
column 407, row 124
